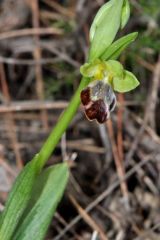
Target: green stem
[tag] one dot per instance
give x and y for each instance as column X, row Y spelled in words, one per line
column 60, row 127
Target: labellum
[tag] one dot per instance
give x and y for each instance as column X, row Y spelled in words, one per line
column 98, row 100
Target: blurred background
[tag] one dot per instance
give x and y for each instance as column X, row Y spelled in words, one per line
column 114, row 187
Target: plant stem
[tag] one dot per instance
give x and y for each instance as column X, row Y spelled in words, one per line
column 61, row 126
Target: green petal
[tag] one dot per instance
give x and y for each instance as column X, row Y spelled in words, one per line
column 115, row 68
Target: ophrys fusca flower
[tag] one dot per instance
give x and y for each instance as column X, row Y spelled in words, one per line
column 98, row 98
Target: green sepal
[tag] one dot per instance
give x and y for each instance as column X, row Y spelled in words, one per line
column 126, row 84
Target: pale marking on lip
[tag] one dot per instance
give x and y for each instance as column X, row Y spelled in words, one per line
column 88, row 105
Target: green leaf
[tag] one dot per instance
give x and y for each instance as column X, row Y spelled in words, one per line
column 125, row 13
column 49, row 188
column 105, row 28
column 18, row 200
column 114, row 51
column 126, row 84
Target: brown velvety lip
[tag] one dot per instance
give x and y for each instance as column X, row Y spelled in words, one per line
column 97, row 111
column 85, row 96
